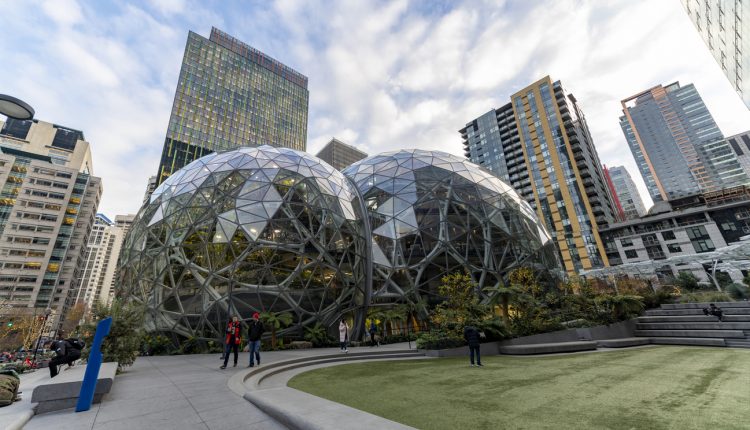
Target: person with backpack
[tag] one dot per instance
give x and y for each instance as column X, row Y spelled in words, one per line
column 254, row 332
column 232, row 341
column 67, row 351
column 373, row 333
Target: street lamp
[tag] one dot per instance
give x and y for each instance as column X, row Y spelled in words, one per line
column 15, row 108
column 47, row 312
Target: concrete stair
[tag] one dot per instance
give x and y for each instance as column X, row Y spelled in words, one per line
column 254, row 379
column 685, row 324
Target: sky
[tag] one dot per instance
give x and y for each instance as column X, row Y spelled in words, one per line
column 382, row 75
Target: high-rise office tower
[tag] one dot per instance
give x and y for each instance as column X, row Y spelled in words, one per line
column 664, row 126
column 541, row 145
column 231, row 95
column 102, row 251
column 625, row 193
column 48, row 203
column 725, row 28
column 340, row 155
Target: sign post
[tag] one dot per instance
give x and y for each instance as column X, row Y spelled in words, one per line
column 86, row 396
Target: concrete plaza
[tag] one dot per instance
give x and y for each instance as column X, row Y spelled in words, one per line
column 178, row 392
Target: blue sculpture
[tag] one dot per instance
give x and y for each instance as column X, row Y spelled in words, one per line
column 86, row 396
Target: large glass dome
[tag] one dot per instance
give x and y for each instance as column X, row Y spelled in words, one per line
column 254, row 229
column 432, row 214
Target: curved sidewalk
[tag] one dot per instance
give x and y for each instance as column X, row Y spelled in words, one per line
column 267, row 389
column 180, row 392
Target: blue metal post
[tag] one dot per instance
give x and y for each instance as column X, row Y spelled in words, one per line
column 86, row 396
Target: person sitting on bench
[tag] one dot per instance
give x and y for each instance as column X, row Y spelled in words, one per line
column 67, row 350
column 714, row 310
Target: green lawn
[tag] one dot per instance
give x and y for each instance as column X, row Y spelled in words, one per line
column 661, row 387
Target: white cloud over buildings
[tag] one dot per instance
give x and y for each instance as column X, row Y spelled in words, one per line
column 383, row 75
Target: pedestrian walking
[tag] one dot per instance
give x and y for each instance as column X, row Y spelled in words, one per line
column 373, row 333
column 343, row 335
column 254, row 333
column 232, row 341
column 472, row 336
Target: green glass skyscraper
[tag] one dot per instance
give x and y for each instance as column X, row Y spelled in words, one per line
column 231, row 95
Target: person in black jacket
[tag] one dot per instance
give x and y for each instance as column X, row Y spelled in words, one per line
column 254, row 333
column 472, row 336
column 67, row 350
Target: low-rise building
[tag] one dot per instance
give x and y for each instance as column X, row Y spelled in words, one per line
column 689, row 226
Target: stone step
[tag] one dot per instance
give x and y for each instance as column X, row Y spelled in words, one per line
column 696, row 311
column 715, row 325
column 737, row 343
column 691, row 341
column 548, row 348
column 255, row 377
column 691, row 333
column 690, row 318
column 742, row 304
column 623, row 342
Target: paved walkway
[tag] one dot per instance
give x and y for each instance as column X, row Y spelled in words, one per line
column 174, row 392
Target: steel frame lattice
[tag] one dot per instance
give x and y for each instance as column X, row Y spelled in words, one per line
column 432, row 214
column 254, row 229
column 278, row 230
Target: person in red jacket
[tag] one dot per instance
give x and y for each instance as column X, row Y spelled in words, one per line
column 232, row 341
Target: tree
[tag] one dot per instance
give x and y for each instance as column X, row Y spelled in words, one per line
column 501, row 295
column 20, row 327
column 73, row 318
column 126, row 335
column 276, row 321
column 687, row 281
column 460, row 306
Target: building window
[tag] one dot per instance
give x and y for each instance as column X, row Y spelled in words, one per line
column 673, row 247
column 626, row 242
column 631, row 253
column 668, row 235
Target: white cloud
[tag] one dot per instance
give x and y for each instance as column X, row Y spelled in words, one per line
column 383, row 75
column 63, row 12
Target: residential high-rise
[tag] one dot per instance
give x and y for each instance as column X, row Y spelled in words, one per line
column 740, row 144
column 231, row 95
column 48, row 203
column 340, row 155
column 664, row 127
column 623, row 189
column 540, row 144
column 102, row 251
column 723, row 165
column 725, row 28
column 150, row 187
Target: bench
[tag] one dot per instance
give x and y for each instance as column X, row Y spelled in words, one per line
column 547, row 348
column 623, row 342
column 61, row 392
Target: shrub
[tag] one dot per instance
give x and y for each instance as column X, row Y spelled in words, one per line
column 317, row 335
column 662, row 295
column 738, row 291
column 705, row 297
column 437, row 339
column 156, row 344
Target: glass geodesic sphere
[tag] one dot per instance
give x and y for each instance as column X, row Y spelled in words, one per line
column 253, row 229
column 433, row 214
